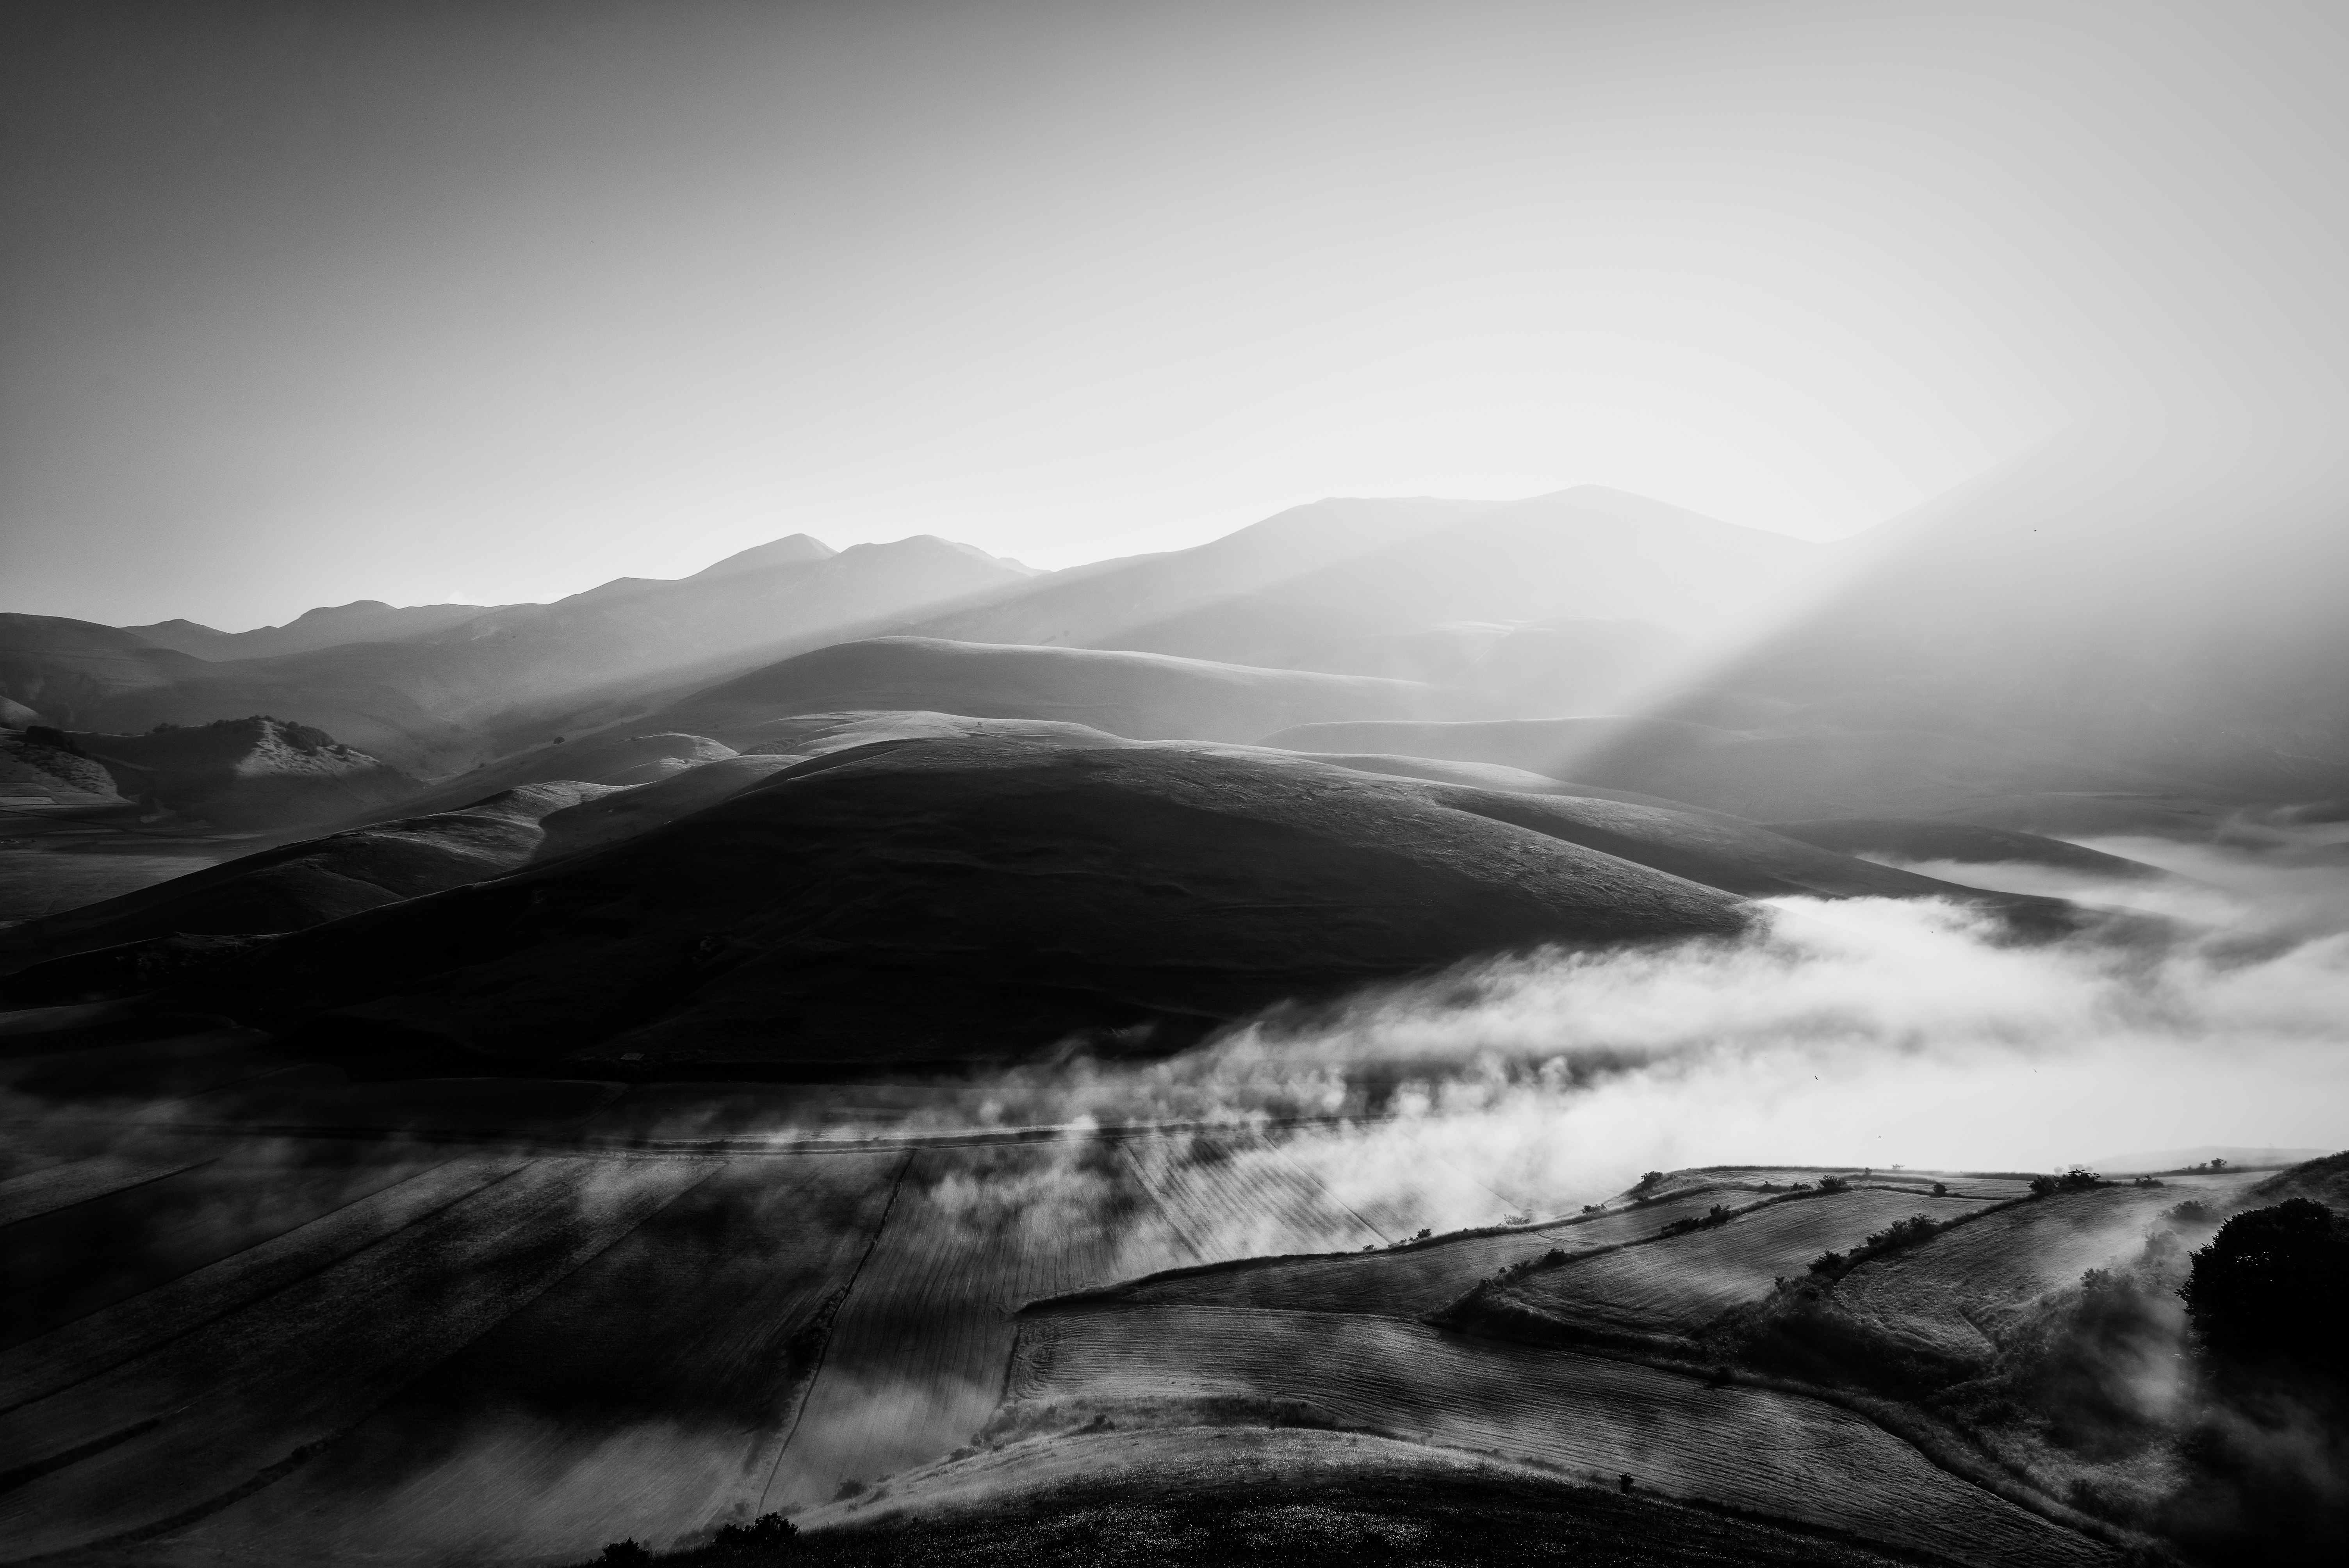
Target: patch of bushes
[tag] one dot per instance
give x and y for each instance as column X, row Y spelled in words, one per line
column 2079, row 1178
column 1907, row 1232
column 1719, row 1214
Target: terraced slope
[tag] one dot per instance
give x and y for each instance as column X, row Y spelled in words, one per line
column 1679, row 1284
column 1410, row 1281
column 1753, row 1449
column 1948, row 1297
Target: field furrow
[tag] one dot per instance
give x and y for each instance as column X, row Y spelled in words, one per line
column 1414, row 1281
column 113, row 1335
column 1239, row 1196
column 71, row 1262
column 1943, row 1296
column 72, row 1181
column 645, row 1395
column 916, row 1359
column 1770, row 1453
column 1679, row 1284
column 188, row 1423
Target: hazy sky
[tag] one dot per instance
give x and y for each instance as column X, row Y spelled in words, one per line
column 493, row 300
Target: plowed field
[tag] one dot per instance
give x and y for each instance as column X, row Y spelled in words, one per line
column 71, row 1181
column 1754, row 1450
column 198, row 1417
column 1414, row 1280
column 646, row 1394
column 1679, row 1284
column 73, row 1261
column 1949, row 1294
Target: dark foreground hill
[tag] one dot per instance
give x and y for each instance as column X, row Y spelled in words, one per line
column 291, row 887
column 936, row 902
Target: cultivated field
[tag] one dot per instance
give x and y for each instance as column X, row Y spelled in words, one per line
column 1413, row 1281
column 648, row 1393
column 177, row 1428
column 1679, row 1284
column 917, row 1360
column 1584, row 1416
column 1942, row 1294
column 268, row 1314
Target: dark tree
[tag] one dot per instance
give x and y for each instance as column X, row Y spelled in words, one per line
column 2268, row 1292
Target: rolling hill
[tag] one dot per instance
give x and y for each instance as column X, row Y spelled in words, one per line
column 1143, row 696
column 942, row 900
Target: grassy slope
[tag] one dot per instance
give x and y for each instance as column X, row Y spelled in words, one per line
column 1411, row 1281
column 1585, row 1415
column 1678, row 1284
column 1240, row 1495
column 1942, row 1296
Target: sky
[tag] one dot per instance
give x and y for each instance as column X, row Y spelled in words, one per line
column 495, row 300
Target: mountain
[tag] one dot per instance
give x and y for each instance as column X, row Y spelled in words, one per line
column 77, row 676
column 437, row 699
column 1560, row 604
column 1142, row 697
column 2154, row 592
column 361, row 621
column 1766, row 776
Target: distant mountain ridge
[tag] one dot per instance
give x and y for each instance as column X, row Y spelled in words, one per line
column 432, row 691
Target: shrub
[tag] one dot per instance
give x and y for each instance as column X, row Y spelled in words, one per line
column 2193, row 1211
column 848, row 1488
column 1834, row 1184
column 767, row 1535
column 1941, row 1189
column 1648, row 1181
column 1893, row 1237
column 1718, row 1214
column 624, row 1554
column 2078, row 1179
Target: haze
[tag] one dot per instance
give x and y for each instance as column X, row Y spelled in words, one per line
column 431, row 302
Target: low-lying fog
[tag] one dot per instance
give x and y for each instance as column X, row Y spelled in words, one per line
column 1862, row 1032
column 1859, row 1032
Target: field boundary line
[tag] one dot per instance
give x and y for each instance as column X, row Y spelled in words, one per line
column 185, row 1330
column 823, row 1354
column 1946, row 1451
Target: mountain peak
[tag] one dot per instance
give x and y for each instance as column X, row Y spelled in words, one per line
column 793, row 549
